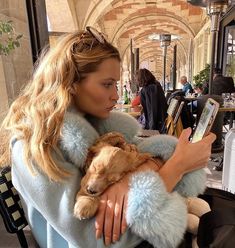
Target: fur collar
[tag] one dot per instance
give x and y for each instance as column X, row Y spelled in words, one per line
column 79, row 133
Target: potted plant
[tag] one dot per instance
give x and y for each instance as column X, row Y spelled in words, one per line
column 9, row 40
column 202, row 77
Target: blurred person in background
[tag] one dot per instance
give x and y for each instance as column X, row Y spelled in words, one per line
column 152, row 99
column 187, row 87
column 221, row 84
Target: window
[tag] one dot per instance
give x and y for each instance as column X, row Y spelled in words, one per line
column 229, row 58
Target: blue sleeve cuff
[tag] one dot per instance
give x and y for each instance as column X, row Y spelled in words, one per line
column 161, row 146
column 192, row 184
column 154, row 214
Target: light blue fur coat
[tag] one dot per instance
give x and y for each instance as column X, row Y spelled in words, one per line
column 153, row 214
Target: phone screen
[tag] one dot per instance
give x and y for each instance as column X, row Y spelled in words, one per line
column 208, row 114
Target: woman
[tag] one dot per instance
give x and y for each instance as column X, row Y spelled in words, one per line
column 136, row 100
column 63, row 110
column 152, row 99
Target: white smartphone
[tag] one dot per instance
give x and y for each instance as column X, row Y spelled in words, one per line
column 206, row 120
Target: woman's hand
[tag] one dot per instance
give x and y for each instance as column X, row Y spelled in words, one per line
column 187, row 157
column 192, row 156
column 111, row 216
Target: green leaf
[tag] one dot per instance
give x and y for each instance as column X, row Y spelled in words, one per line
column 19, row 36
column 9, row 39
column 17, row 43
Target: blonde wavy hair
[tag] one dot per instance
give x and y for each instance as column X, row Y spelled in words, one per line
column 36, row 116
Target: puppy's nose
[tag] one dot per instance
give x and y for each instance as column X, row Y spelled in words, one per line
column 90, row 190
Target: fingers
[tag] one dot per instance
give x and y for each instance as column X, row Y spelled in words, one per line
column 117, row 220
column 111, row 215
column 184, row 137
column 205, row 145
column 124, row 223
column 108, row 223
column 210, row 138
column 99, row 222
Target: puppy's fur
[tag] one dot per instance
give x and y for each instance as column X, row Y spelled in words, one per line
column 108, row 160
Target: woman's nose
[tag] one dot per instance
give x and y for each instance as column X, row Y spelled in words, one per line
column 115, row 95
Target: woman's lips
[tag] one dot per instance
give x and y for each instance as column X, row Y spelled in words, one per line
column 110, row 108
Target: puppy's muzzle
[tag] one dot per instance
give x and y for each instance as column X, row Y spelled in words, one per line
column 91, row 191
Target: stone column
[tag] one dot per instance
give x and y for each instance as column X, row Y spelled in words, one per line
column 16, row 68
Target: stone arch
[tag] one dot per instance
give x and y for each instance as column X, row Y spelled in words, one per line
column 120, row 29
column 99, row 8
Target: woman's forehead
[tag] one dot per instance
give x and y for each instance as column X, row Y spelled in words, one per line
column 109, row 68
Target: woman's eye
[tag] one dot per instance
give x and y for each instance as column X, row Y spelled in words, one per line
column 108, row 85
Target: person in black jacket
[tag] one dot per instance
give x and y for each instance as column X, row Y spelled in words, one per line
column 221, row 84
column 152, row 99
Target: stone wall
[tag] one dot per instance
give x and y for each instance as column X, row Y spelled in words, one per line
column 16, row 68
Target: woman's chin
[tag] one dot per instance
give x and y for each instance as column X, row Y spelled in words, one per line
column 103, row 115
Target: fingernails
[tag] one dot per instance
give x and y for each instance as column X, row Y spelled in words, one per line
column 123, row 229
column 98, row 234
column 115, row 238
column 107, row 241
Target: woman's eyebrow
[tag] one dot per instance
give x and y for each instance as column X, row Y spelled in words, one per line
column 110, row 79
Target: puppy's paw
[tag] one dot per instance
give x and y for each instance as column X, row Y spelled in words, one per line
column 129, row 148
column 85, row 207
column 143, row 157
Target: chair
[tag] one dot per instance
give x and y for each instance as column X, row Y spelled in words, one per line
column 173, row 124
column 10, row 207
column 171, row 112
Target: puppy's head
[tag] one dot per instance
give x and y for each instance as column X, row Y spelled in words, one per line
column 107, row 167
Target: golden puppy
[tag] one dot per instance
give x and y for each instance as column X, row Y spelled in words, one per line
column 108, row 160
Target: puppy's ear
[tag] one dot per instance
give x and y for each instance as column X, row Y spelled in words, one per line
column 92, row 152
column 89, row 159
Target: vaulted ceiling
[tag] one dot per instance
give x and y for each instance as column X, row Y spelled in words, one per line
column 123, row 20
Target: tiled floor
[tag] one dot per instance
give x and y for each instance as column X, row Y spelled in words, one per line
column 10, row 240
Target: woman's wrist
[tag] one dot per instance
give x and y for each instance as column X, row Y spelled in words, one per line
column 150, row 164
column 171, row 173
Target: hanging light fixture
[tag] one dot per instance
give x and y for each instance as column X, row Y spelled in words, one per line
column 215, row 9
column 165, row 41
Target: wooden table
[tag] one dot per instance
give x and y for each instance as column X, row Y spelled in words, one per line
column 121, row 106
column 227, row 109
column 126, row 108
column 230, row 109
column 190, row 98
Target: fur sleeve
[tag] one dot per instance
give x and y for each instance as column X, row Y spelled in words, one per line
column 77, row 136
column 153, row 214
column 193, row 183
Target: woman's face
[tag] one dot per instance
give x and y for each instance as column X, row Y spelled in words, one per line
column 97, row 93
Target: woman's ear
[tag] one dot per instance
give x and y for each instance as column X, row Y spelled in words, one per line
column 74, row 89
